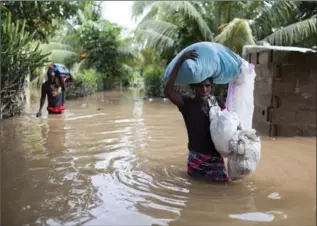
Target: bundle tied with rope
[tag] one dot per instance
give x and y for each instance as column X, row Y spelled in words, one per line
column 245, row 154
column 231, row 129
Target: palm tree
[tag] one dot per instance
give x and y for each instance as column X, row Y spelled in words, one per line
column 65, row 47
column 164, row 24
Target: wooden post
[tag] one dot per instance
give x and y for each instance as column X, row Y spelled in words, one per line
column 120, row 83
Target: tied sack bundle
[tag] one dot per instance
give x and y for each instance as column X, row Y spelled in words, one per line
column 241, row 147
column 245, row 154
column 231, row 129
column 214, row 60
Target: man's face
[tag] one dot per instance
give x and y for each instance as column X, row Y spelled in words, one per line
column 203, row 89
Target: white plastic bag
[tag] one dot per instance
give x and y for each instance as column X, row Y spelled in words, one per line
column 223, row 126
column 231, row 130
column 240, row 98
column 242, row 147
column 245, row 148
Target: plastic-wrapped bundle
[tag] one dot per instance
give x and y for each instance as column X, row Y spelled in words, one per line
column 63, row 72
column 240, row 98
column 239, row 111
column 62, row 69
column 231, row 130
column 245, row 154
column 214, row 60
column 242, row 147
column 223, row 126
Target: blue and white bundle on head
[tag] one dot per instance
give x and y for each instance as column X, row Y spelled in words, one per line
column 62, row 69
column 214, row 60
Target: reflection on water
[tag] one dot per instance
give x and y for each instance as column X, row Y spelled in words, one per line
column 120, row 160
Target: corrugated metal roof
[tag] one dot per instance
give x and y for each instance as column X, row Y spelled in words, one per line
column 256, row 48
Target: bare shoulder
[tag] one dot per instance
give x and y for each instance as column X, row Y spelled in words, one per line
column 186, row 102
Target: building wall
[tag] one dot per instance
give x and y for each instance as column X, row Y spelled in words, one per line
column 285, row 92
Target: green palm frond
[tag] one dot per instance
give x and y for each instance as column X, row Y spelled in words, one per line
column 167, row 9
column 187, row 9
column 65, row 57
column 159, row 26
column 279, row 14
column 127, row 56
column 279, row 11
column 70, row 43
column 60, row 53
column 235, row 35
column 139, row 8
column 81, row 16
column 155, row 40
column 3, row 8
column 223, row 13
column 153, row 12
column 46, row 48
column 253, row 8
column 77, row 67
column 127, row 67
column 294, row 33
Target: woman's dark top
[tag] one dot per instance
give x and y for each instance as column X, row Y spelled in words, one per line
column 53, row 101
column 196, row 116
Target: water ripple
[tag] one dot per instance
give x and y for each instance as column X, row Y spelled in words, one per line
column 127, row 165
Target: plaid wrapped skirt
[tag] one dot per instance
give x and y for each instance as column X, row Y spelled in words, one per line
column 206, row 166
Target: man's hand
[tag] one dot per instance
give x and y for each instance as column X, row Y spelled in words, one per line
column 55, row 93
column 173, row 95
column 190, row 54
column 38, row 114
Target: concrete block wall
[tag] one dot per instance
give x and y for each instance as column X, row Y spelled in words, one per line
column 285, row 91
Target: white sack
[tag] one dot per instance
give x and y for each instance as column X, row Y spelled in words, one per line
column 240, row 98
column 223, row 126
column 245, row 154
column 231, row 130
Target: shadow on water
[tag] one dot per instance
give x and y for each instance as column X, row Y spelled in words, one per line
column 117, row 159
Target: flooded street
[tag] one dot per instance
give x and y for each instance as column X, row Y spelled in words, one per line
column 116, row 159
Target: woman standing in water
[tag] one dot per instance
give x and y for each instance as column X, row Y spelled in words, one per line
column 54, row 89
column 203, row 159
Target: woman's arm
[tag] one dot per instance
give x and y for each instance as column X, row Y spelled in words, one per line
column 42, row 100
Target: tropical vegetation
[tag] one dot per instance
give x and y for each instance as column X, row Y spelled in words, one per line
column 102, row 55
column 170, row 26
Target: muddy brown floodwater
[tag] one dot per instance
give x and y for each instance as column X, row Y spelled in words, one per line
column 116, row 159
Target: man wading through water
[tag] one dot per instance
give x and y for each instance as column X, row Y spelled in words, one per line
column 203, row 159
column 54, row 89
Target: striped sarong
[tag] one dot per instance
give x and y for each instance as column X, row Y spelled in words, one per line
column 206, row 166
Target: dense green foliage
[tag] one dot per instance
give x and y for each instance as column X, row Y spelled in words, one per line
column 35, row 34
column 88, row 81
column 41, row 17
column 170, row 26
column 17, row 59
column 100, row 44
column 152, row 81
column 90, row 42
column 86, row 43
column 175, row 25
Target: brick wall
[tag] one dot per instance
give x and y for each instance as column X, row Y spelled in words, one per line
column 285, row 92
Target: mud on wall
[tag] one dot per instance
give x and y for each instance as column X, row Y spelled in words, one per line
column 285, row 92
